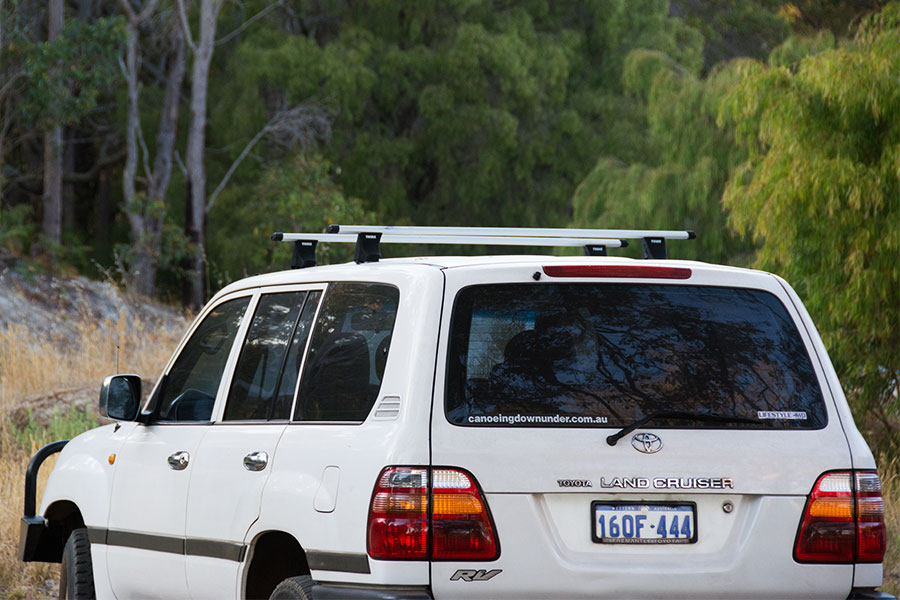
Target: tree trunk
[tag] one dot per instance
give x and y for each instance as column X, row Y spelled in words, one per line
column 162, row 166
column 133, row 206
column 68, row 191
column 51, row 223
column 168, row 123
column 146, row 212
column 196, row 206
column 102, row 215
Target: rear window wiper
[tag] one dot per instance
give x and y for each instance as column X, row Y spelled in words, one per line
column 675, row 414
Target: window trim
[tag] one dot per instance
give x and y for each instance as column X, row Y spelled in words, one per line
column 776, row 291
column 150, row 407
column 218, row 416
column 219, row 411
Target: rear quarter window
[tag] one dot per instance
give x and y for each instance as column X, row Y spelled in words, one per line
column 347, row 353
column 605, row 355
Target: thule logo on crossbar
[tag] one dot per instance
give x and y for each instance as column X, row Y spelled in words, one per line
column 473, row 575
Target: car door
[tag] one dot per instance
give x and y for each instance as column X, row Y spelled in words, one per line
column 145, row 531
column 233, row 460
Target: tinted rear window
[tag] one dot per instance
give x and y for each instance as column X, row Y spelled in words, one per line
column 604, row 355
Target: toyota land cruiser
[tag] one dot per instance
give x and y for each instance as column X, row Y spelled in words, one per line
column 475, row 427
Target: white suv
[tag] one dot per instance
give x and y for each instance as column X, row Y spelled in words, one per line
column 476, row 427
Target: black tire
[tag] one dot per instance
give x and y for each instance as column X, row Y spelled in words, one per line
column 295, row 588
column 76, row 578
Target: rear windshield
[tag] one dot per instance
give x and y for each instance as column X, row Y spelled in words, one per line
column 605, row 355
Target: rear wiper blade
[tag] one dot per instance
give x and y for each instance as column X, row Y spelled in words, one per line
column 675, row 414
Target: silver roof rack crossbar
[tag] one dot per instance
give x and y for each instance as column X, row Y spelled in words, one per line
column 368, row 239
column 653, row 241
column 368, row 242
column 531, row 232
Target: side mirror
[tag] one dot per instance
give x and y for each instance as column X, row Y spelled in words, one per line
column 120, row 397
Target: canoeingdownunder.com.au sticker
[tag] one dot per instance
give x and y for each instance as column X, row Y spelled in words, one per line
column 792, row 415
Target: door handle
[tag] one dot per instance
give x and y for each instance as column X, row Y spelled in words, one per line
column 256, row 461
column 179, row 460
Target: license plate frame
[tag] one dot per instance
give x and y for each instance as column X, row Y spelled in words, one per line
column 629, row 507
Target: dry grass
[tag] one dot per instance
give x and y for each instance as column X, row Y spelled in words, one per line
column 19, row 580
column 33, row 365
column 33, row 368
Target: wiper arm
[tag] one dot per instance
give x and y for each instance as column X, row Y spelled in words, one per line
column 674, row 414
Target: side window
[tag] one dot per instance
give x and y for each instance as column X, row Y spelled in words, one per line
column 263, row 372
column 347, row 352
column 189, row 389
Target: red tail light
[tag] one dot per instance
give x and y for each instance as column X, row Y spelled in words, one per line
column 462, row 525
column 398, row 515
column 843, row 521
column 419, row 513
column 624, row 271
column 871, row 538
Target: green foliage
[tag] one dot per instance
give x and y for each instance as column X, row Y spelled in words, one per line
column 31, row 435
column 294, row 194
column 66, row 76
column 798, row 47
column 476, row 111
column 16, row 229
column 820, row 192
column 733, row 28
column 679, row 185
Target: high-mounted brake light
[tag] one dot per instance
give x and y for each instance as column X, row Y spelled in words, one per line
column 624, row 271
column 419, row 513
column 843, row 521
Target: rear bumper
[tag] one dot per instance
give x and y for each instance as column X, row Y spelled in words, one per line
column 345, row 592
column 869, row 594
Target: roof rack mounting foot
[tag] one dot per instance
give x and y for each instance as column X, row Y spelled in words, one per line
column 595, row 250
column 304, row 254
column 368, row 247
column 654, row 247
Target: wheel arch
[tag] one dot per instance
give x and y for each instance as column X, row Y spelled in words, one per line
column 61, row 518
column 272, row 557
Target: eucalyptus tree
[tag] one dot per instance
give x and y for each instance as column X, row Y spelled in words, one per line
column 146, row 210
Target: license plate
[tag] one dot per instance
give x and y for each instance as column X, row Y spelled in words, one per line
column 644, row 523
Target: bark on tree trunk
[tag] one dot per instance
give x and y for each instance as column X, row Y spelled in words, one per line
column 102, row 214
column 146, row 212
column 68, row 191
column 51, row 223
column 195, row 226
column 133, row 208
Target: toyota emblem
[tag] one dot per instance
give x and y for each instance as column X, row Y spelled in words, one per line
column 648, row 443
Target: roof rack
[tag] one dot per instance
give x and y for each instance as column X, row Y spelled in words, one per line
column 368, row 239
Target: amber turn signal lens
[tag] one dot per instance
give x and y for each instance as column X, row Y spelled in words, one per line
column 112, row 458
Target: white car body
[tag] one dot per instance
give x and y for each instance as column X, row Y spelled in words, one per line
column 157, row 532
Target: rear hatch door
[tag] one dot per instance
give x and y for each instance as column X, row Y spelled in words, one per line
column 537, row 371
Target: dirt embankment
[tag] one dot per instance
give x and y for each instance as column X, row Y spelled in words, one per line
column 60, row 337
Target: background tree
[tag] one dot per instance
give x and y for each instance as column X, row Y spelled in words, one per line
column 51, row 225
column 455, row 112
column 679, row 184
column 48, row 84
column 146, row 210
column 820, row 191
